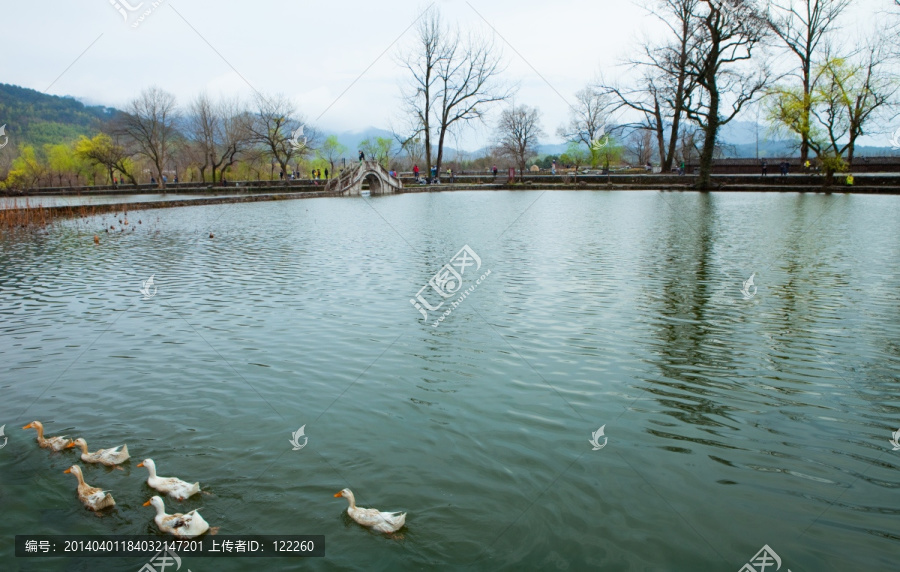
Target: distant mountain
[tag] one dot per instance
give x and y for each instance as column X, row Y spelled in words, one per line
column 352, row 139
column 35, row 118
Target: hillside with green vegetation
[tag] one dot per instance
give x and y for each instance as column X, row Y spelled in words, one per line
column 37, row 119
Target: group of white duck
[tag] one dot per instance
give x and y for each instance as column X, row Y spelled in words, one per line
column 188, row 525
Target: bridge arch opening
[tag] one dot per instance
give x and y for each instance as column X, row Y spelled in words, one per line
column 374, row 182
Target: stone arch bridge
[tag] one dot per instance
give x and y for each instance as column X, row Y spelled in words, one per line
column 350, row 182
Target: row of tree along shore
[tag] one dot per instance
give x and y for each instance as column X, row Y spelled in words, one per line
column 876, row 183
column 792, row 63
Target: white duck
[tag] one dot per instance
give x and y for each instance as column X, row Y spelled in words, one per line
column 175, row 488
column 108, row 457
column 92, row 498
column 386, row 522
column 180, row 525
column 53, row 443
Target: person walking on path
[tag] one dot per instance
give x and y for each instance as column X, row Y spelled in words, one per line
column 765, row 168
column 326, row 173
column 494, row 169
column 416, row 172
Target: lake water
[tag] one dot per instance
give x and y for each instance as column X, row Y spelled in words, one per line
column 730, row 421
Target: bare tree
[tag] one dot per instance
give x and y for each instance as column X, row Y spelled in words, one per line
column 640, row 146
column 588, row 117
column 518, row 132
column 728, row 34
column 412, row 148
column 221, row 131
column 664, row 85
column 422, row 61
column 802, row 25
column 454, row 81
column 150, row 122
column 468, row 78
column 276, row 128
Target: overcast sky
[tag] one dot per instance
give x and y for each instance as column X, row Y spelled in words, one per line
column 335, row 59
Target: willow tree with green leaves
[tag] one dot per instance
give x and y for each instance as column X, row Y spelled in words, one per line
column 331, row 151
column 103, row 151
column 801, row 27
column 378, row 149
column 26, row 170
column 577, row 154
column 607, row 154
column 63, row 161
column 847, row 96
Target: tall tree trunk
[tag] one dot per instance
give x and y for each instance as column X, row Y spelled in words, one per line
column 427, row 123
column 440, row 155
column 661, row 138
column 676, row 112
column 710, row 131
column 804, row 136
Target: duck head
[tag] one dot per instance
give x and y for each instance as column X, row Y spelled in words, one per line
column 75, row 470
column 347, row 494
column 151, row 466
column 157, row 503
column 78, row 443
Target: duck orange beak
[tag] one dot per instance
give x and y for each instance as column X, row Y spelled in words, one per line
column 147, row 503
column 336, row 495
column 29, row 426
column 70, row 445
column 140, row 464
column 69, row 470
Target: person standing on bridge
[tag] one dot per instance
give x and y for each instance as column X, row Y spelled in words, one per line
column 362, row 156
